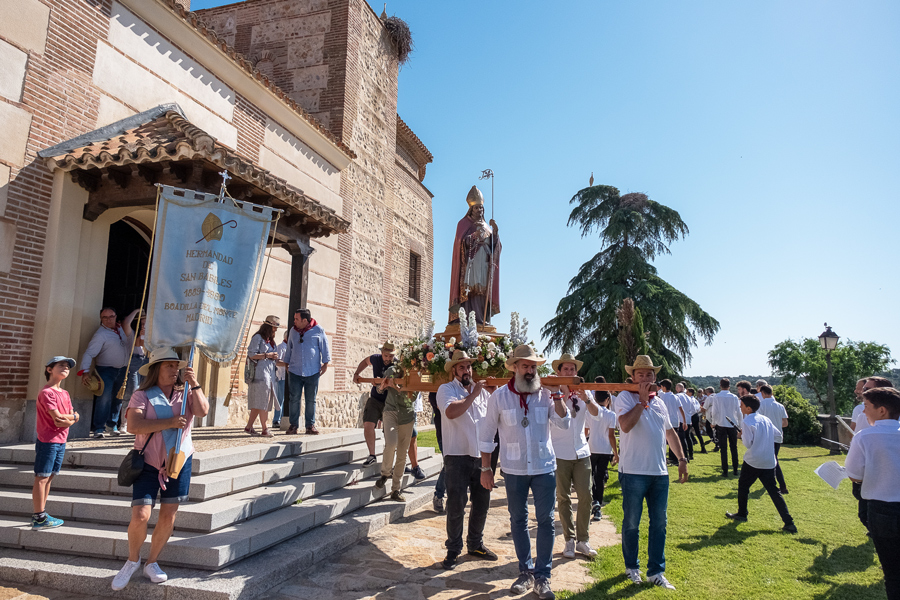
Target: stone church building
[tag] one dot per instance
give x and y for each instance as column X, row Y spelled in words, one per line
column 100, row 100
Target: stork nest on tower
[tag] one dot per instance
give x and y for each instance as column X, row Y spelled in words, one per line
column 402, row 36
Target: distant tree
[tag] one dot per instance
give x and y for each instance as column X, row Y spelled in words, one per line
column 633, row 230
column 803, row 426
column 805, row 359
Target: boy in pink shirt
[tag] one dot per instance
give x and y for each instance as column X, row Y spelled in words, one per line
column 54, row 417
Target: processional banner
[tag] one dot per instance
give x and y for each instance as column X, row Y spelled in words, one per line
column 208, row 259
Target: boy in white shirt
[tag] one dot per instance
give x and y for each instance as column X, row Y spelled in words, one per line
column 777, row 413
column 874, row 462
column 603, row 446
column 758, row 435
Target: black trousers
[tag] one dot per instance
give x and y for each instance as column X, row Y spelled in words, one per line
column 695, row 424
column 686, row 448
column 749, row 475
column 862, row 508
column 727, row 437
column 711, row 433
column 778, row 474
column 463, row 479
column 599, row 464
column 884, row 528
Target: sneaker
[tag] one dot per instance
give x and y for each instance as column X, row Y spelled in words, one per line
column 790, row 528
column 569, row 551
column 396, row 496
column 596, row 512
column 418, row 473
column 634, row 575
column 438, row 504
column 380, row 482
column 124, row 575
column 542, row 589
column 736, row 516
column 99, row 435
column 451, row 561
column 407, row 470
column 482, row 553
column 660, row 580
column 585, row 549
column 154, row 573
column 370, row 460
column 524, row 583
column 276, row 423
column 48, row 523
column 115, row 432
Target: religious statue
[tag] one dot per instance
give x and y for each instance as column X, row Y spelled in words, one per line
column 475, row 270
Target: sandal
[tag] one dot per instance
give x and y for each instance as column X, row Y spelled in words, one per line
column 267, row 434
column 249, row 429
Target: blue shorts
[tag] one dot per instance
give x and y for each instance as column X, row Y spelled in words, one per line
column 48, row 458
column 415, row 432
column 146, row 487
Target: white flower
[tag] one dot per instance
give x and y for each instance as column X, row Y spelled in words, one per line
column 484, row 366
column 452, row 341
column 491, row 346
column 501, row 356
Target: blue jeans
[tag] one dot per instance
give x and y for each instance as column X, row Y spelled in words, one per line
column 543, row 489
column 307, row 386
column 635, row 488
column 134, row 378
column 48, row 458
column 279, row 395
column 107, row 406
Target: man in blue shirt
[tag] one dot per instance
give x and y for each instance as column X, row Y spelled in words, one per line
column 306, row 358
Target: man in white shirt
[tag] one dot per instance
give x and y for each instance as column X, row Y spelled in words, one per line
column 603, row 446
column 110, row 347
column 705, row 405
column 645, row 428
column 777, row 413
column 573, row 462
column 758, row 435
column 463, row 404
column 687, row 410
column 873, row 461
column 861, row 422
column 725, row 409
column 758, row 394
column 523, row 413
column 676, row 415
column 695, row 418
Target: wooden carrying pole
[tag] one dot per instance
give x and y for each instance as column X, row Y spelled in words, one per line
column 574, row 383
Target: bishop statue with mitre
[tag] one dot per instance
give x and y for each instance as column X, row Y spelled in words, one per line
column 475, row 271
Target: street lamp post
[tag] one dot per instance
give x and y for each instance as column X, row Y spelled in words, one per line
column 828, row 340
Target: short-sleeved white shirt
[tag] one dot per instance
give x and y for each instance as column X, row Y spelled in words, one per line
column 775, row 411
column 686, row 405
column 860, row 418
column 722, row 405
column 459, row 436
column 524, row 450
column 571, row 443
column 872, row 458
column 598, row 442
column 672, row 405
column 642, row 451
column 758, row 435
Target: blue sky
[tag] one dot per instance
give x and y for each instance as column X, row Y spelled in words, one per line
column 772, row 127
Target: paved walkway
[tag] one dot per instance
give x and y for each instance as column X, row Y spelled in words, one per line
column 401, row 562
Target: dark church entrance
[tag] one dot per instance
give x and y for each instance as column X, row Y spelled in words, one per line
column 126, row 267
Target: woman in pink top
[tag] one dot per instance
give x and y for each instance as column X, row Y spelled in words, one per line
column 154, row 416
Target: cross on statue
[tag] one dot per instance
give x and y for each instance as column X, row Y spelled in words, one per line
column 225, row 177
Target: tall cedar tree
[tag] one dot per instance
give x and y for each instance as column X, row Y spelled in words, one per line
column 633, row 230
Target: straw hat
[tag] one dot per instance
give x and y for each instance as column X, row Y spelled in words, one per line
column 641, row 362
column 523, row 352
column 459, row 356
column 162, row 355
column 566, row 358
column 273, row 320
column 388, row 347
column 95, row 383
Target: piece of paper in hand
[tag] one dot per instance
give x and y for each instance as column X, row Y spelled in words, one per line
column 832, row 473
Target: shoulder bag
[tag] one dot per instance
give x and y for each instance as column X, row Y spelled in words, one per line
column 132, row 465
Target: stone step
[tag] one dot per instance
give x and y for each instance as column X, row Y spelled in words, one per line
column 209, row 551
column 207, row 516
column 204, row 462
column 203, row 487
column 244, row 580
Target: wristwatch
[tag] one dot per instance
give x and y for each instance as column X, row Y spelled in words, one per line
column 486, row 469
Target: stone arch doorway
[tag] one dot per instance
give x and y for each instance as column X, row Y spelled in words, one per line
column 127, row 257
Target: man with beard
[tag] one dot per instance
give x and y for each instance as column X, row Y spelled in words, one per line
column 645, row 428
column 523, row 412
column 463, row 405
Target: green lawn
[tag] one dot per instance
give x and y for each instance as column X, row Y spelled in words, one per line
column 708, row 556
column 428, row 438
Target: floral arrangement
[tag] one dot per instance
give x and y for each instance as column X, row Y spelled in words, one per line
column 428, row 355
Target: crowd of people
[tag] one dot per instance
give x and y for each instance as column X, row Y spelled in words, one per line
column 550, row 442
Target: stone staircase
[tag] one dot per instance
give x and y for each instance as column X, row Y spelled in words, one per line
column 244, row 501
